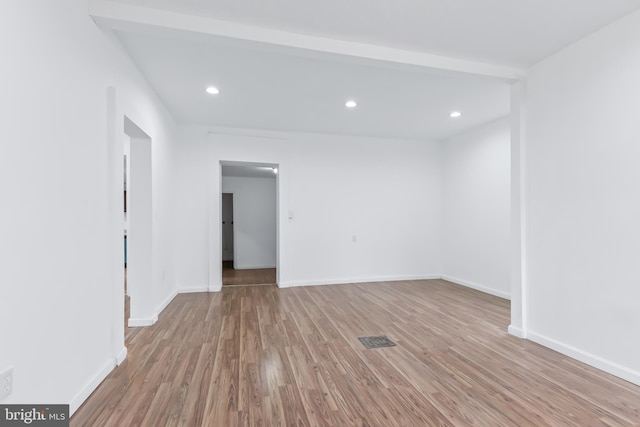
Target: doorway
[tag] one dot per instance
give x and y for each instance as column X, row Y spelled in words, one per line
column 227, row 230
column 127, row 299
column 249, row 224
column 137, row 223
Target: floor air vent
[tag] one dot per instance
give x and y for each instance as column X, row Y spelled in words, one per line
column 377, row 342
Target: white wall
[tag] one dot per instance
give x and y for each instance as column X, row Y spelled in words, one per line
column 254, row 206
column 476, row 208
column 334, row 188
column 61, row 297
column 61, row 284
column 191, row 246
column 127, row 167
column 583, row 199
column 140, row 232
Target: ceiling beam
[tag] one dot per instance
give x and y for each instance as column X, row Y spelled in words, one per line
column 119, row 16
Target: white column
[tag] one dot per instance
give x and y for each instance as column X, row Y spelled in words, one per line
column 518, row 326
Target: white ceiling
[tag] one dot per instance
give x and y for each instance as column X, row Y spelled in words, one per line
column 289, row 65
column 286, row 92
column 511, row 32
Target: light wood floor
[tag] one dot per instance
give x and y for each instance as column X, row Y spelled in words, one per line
column 266, row 356
column 261, row 276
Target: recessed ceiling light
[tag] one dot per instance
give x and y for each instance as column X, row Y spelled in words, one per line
column 213, row 90
column 351, row 104
column 455, row 114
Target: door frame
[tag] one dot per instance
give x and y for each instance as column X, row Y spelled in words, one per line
column 233, row 226
column 215, row 216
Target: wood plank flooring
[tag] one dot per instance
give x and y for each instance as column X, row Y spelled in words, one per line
column 260, row 276
column 262, row 356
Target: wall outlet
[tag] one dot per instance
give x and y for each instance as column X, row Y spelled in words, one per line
column 6, row 382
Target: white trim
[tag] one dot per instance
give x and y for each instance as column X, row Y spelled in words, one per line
column 477, row 287
column 134, row 322
column 89, row 388
column 165, row 303
column 293, row 284
column 121, row 356
column 79, row 399
column 588, row 358
column 148, row 321
column 215, row 215
column 193, row 290
column 214, row 189
column 518, row 244
column 234, row 223
column 253, row 267
column 516, row 331
column 118, row 16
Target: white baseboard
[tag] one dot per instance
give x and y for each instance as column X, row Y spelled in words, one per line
column 121, row 356
column 84, row 393
column 79, row 399
column 193, row 290
column 135, row 322
column 588, row 358
column 455, row 280
column 217, row 287
column 149, row 321
column 477, row 287
column 516, row 331
column 293, row 284
column 165, row 303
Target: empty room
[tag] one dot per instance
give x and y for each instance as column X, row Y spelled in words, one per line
column 392, row 213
